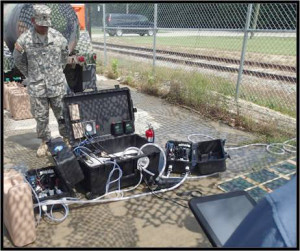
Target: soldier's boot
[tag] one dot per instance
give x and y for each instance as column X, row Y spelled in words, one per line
column 66, row 140
column 42, row 150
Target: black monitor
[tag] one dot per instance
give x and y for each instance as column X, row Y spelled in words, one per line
column 219, row 215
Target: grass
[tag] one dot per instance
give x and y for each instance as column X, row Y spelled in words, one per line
column 264, row 45
column 199, row 83
column 192, row 90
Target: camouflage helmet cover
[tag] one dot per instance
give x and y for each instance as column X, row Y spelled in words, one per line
column 42, row 14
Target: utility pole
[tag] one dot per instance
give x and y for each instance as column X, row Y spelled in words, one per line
column 154, row 39
column 104, row 36
column 127, row 8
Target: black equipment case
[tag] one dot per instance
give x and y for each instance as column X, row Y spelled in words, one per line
column 103, row 123
column 55, row 182
column 202, row 158
column 48, row 184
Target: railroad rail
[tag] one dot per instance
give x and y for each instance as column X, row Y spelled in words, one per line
column 187, row 59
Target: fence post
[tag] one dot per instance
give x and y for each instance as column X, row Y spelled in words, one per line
column 89, row 21
column 104, row 36
column 243, row 51
column 154, row 38
column 255, row 19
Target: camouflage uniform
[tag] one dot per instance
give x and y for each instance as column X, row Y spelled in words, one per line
column 8, row 61
column 42, row 62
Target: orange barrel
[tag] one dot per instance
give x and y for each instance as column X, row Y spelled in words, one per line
column 80, row 12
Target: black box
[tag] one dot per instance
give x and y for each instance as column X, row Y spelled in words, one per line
column 179, row 155
column 48, row 184
column 57, row 181
column 96, row 120
column 202, row 158
column 210, row 157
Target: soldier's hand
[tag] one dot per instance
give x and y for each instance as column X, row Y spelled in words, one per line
column 19, row 48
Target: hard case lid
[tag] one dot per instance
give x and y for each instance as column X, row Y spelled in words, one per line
column 100, row 109
column 67, row 166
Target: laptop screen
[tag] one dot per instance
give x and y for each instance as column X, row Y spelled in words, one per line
column 220, row 215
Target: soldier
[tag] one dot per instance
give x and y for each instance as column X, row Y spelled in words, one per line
column 41, row 55
column 8, row 61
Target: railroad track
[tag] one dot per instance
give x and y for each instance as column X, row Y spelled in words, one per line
column 206, row 61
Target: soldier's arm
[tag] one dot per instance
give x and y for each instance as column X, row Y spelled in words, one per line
column 64, row 52
column 20, row 56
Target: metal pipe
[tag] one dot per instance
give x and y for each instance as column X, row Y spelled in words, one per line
column 88, row 18
column 255, row 19
column 104, row 36
column 243, row 51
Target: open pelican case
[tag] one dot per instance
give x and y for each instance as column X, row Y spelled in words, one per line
column 101, row 123
column 202, row 158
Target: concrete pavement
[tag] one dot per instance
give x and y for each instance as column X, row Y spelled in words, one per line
column 147, row 221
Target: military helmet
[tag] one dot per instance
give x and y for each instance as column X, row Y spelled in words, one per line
column 42, row 14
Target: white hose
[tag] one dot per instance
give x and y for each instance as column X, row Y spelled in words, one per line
column 286, row 146
column 239, row 147
column 51, row 217
column 67, row 201
column 163, row 153
column 282, row 147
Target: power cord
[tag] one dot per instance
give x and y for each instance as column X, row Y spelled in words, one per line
column 282, row 147
column 164, row 198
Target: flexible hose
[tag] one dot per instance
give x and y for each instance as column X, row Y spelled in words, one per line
column 67, row 201
column 51, row 217
column 163, row 153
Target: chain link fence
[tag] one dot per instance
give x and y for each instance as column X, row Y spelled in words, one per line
column 239, row 50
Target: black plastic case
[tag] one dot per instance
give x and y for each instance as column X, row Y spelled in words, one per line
column 67, row 172
column 106, row 110
column 203, row 158
column 34, row 178
column 67, row 165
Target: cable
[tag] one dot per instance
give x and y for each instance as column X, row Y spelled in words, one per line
column 164, row 155
column 164, row 198
column 285, row 145
column 108, row 182
column 279, row 146
column 68, row 200
column 282, row 147
column 239, row 147
column 51, row 217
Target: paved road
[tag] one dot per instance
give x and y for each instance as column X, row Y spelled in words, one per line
column 143, row 222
